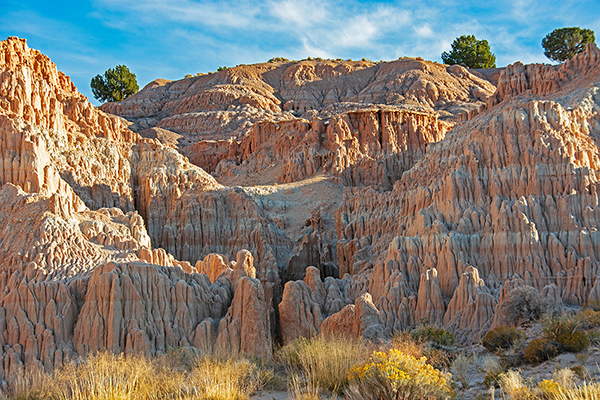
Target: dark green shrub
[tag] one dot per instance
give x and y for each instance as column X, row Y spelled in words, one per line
column 555, row 327
column 573, row 342
column 540, row 350
column 502, row 337
column 116, row 84
column 565, row 43
column 579, row 371
column 471, row 52
column 279, row 59
column 429, row 333
column 512, row 361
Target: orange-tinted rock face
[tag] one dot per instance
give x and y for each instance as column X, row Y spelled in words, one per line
column 335, row 197
column 73, row 179
column 365, row 122
column 511, row 192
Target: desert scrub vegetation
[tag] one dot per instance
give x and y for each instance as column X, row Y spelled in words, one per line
column 176, row 376
column 279, row 59
column 560, row 334
column 513, row 385
column 432, row 334
column 540, row 350
column 462, row 370
column 524, row 304
column 429, row 342
column 321, row 363
column 566, row 332
column 395, row 375
column 492, row 370
column 502, row 337
column 564, row 385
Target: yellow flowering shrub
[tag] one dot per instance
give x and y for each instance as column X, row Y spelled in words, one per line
column 395, row 375
column 549, row 388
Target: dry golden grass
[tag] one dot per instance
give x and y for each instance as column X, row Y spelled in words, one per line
column 462, row 370
column 513, row 385
column 586, row 391
column 223, row 380
column 300, row 389
column 406, row 344
column 322, row 362
column 116, row 377
column 563, row 386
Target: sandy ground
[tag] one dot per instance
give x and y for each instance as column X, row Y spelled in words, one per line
column 277, row 395
column 270, row 395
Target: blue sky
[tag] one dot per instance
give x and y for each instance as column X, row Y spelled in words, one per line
column 169, row 39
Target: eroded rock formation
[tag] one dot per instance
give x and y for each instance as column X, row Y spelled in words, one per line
column 321, row 198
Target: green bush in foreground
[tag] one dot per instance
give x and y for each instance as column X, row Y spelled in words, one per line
column 540, row 350
column 429, row 333
column 502, row 337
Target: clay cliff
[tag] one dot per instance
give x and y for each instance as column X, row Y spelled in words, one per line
column 363, row 122
column 508, row 195
column 89, row 208
column 264, row 203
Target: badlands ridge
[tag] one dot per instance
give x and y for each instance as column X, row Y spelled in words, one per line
column 267, row 202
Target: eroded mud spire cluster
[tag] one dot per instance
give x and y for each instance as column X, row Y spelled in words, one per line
column 279, row 200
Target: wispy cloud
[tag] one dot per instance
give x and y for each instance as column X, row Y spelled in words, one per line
column 424, row 31
column 215, row 14
column 339, row 28
column 168, row 39
column 299, row 13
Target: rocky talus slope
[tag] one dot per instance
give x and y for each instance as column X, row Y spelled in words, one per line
column 268, row 202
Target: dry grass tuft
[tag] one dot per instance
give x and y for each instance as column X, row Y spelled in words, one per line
column 323, row 362
column 299, row 388
column 563, row 387
column 513, row 385
column 405, row 343
column 462, row 370
column 175, row 376
column 223, row 380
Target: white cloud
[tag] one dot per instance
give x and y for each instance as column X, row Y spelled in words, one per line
column 357, row 32
column 424, row 31
column 215, row 14
column 300, row 13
